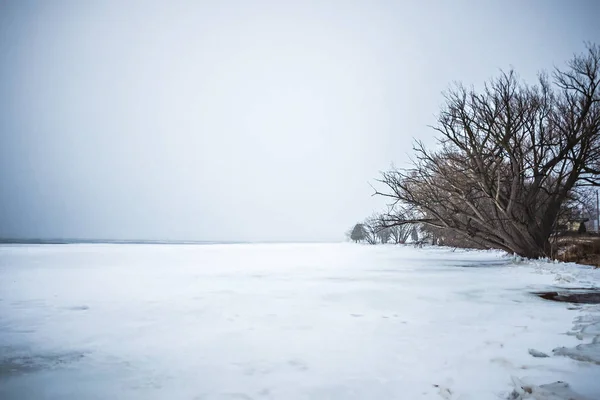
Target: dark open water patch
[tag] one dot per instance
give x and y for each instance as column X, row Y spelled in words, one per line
column 16, row 364
column 572, row 295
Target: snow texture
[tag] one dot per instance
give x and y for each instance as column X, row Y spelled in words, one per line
column 283, row 321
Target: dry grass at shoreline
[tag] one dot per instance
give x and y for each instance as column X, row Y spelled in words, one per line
column 581, row 249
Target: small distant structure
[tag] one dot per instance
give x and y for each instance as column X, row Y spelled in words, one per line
column 574, row 224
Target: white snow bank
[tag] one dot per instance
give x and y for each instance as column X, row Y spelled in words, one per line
column 327, row 321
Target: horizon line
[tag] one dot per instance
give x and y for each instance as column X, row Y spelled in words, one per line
column 147, row 241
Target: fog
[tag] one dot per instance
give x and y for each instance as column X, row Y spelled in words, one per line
column 238, row 120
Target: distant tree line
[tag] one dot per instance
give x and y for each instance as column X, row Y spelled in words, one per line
column 373, row 230
column 512, row 161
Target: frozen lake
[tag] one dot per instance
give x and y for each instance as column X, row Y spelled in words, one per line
column 280, row 321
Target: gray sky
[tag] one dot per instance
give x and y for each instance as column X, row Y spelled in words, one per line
column 238, row 120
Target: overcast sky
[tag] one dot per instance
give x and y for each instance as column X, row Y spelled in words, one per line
column 238, row 120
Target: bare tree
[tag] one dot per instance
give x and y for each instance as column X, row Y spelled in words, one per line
column 448, row 237
column 384, row 234
column 399, row 233
column 372, row 228
column 509, row 158
column 358, row 233
column 414, row 234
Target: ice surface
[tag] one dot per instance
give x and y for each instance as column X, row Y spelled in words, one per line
column 549, row 391
column 583, row 352
column 275, row 321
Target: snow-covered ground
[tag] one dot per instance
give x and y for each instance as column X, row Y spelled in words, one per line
column 282, row 321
